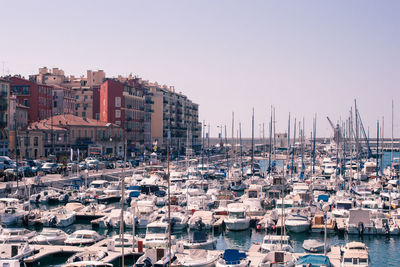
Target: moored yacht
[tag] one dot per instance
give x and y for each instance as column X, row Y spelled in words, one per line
column 233, row 258
column 355, row 254
column 13, row 235
column 50, row 236
column 276, row 243
column 297, row 223
column 237, row 217
column 156, row 235
column 83, row 237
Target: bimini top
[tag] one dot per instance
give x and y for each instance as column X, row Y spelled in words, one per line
column 233, row 256
column 237, row 207
column 314, row 260
column 356, row 245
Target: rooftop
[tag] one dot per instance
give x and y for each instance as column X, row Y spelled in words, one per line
column 69, row 120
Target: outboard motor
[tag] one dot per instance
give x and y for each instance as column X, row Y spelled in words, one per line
column 53, row 221
column 147, row 262
column 360, row 228
column 199, row 224
column 387, row 229
column 108, row 223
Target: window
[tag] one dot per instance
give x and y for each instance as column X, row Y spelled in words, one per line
column 117, row 113
column 73, row 133
column 26, row 102
column 118, row 122
column 36, row 141
column 83, row 114
column 118, row 102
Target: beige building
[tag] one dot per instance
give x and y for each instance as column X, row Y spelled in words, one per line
column 83, row 101
column 82, row 93
column 175, row 115
column 57, row 135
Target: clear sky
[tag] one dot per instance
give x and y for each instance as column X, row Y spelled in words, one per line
column 303, row 57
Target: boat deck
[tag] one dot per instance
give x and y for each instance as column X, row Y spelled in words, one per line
column 256, row 256
column 46, row 250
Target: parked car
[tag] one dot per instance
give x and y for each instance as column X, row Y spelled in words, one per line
column 83, row 165
column 109, row 165
column 72, row 166
column 6, row 163
column 119, row 164
column 93, row 163
column 134, row 162
column 50, row 168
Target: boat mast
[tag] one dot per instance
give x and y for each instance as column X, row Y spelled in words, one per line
column 302, row 148
column 391, row 153
column 233, row 138
column 314, row 136
column 288, row 145
column 283, row 210
column 270, row 144
column 274, row 138
column 383, row 142
column 241, row 148
column 122, row 224
column 252, row 143
column 377, row 149
column 293, row 150
column 169, row 206
column 226, row 153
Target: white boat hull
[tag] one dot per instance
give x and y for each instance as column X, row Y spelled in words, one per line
column 237, row 225
column 298, row 228
column 243, row 263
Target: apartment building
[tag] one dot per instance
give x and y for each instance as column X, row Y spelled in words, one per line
column 174, row 116
column 37, row 97
column 124, row 105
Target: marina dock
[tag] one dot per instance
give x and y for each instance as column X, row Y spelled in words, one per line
column 253, row 253
column 47, row 250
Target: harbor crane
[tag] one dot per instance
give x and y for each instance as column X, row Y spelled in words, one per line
column 336, row 131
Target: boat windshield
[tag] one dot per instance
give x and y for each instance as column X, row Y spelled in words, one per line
column 343, row 206
column 275, row 241
column 286, row 205
column 49, row 233
column 98, row 185
column 370, row 205
column 252, row 194
column 156, row 230
column 236, row 215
